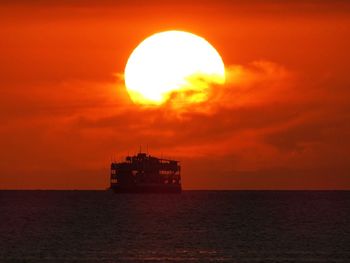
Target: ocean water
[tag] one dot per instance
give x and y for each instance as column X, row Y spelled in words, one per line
column 195, row 226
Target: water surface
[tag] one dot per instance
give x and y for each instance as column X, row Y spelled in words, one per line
column 229, row 226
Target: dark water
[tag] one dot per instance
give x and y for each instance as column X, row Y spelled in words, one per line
column 232, row 226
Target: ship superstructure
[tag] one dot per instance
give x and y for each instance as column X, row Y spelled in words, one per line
column 143, row 173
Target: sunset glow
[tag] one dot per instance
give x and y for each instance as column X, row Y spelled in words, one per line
column 172, row 61
column 178, row 130
column 246, row 94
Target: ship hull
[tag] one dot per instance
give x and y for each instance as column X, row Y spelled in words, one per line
column 147, row 189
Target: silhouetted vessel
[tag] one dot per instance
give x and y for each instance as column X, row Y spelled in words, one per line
column 144, row 173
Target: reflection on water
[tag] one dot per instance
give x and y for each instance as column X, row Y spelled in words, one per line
column 233, row 226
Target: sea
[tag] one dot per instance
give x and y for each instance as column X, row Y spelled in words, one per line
column 195, row 226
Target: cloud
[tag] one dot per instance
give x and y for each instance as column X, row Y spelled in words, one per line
column 255, row 84
column 266, row 127
column 265, row 118
column 242, row 104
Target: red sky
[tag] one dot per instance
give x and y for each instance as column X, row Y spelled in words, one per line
column 282, row 120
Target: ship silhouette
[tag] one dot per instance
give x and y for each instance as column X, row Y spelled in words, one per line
column 143, row 173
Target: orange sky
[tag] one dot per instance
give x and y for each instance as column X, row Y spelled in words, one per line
column 282, row 121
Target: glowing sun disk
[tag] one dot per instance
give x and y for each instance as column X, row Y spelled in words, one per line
column 172, row 61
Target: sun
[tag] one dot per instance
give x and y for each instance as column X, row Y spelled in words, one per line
column 173, row 64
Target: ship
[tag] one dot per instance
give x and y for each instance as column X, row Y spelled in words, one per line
column 143, row 173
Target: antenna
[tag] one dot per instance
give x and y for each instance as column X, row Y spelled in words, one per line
column 140, row 149
column 147, row 148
